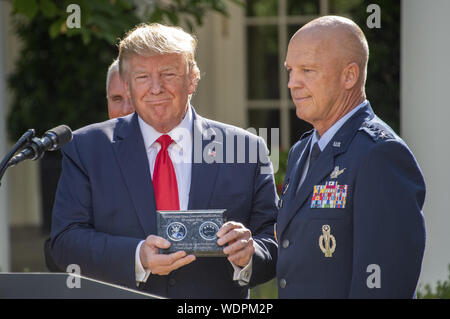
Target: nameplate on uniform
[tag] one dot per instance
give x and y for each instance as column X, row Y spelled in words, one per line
column 330, row 195
column 193, row 231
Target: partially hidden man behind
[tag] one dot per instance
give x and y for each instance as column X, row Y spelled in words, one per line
column 350, row 223
column 119, row 103
column 116, row 174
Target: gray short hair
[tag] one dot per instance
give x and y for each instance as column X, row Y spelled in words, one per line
column 113, row 68
column 155, row 39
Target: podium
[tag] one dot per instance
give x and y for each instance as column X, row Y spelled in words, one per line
column 61, row 286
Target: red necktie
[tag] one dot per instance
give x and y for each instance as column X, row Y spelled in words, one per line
column 164, row 178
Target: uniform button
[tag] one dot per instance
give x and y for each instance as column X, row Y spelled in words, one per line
column 285, row 243
column 172, row 282
column 282, row 283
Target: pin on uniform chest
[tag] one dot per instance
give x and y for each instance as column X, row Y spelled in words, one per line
column 331, row 194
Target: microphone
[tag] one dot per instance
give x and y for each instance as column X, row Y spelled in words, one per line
column 52, row 140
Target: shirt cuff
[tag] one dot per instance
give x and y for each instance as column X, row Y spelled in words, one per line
column 141, row 274
column 242, row 275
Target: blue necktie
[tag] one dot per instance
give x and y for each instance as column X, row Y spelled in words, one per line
column 315, row 152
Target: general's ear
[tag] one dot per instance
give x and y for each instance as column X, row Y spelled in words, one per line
column 350, row 75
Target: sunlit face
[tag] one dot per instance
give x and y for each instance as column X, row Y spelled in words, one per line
column 118, row 102
column 314, row 78
column 159, row 87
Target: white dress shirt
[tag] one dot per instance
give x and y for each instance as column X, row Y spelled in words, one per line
column 180, row 152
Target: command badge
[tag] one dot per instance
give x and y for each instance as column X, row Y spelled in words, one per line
column 327, row 242
column 330, row 195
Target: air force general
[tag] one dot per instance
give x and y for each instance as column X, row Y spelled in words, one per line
column 350, row 223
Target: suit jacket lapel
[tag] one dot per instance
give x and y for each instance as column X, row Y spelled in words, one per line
column 131, row 155
column 206, row 146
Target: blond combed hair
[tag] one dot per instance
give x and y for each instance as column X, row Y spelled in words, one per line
column 157, row 39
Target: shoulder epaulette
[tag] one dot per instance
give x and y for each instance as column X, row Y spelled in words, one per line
column 377, row 130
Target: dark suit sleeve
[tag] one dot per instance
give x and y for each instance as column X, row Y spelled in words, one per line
column 263, row 218
column 389, row 230
column 74, row 239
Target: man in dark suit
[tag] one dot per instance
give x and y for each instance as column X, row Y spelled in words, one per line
column 116, row 174
column 350, row 223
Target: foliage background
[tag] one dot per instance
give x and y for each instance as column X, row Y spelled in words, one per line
column 61, row 72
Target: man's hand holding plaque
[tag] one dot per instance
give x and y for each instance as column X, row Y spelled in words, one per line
column 200, row 234
column 240, row 248
column 161, row 264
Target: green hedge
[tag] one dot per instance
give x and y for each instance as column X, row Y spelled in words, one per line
column 441, row 291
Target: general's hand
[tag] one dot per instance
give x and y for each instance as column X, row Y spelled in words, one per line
column 240, row 243
column 161, row 264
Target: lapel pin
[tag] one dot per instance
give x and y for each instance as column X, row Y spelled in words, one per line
column 285, row 188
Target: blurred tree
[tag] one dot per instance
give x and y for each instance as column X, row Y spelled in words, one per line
column 107, row 19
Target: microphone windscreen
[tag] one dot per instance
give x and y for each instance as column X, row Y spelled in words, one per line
column 63, row 134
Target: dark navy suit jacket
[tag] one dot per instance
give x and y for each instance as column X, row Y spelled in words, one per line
column 379, row 234
column 105, row 206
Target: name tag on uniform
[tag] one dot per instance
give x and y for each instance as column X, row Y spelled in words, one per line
column 330, row 195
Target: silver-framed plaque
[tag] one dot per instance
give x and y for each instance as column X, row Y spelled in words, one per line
column 193, row 231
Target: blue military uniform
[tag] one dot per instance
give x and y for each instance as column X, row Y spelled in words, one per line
column 354, row 228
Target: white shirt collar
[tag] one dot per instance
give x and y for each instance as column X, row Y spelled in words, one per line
column 181, row 134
